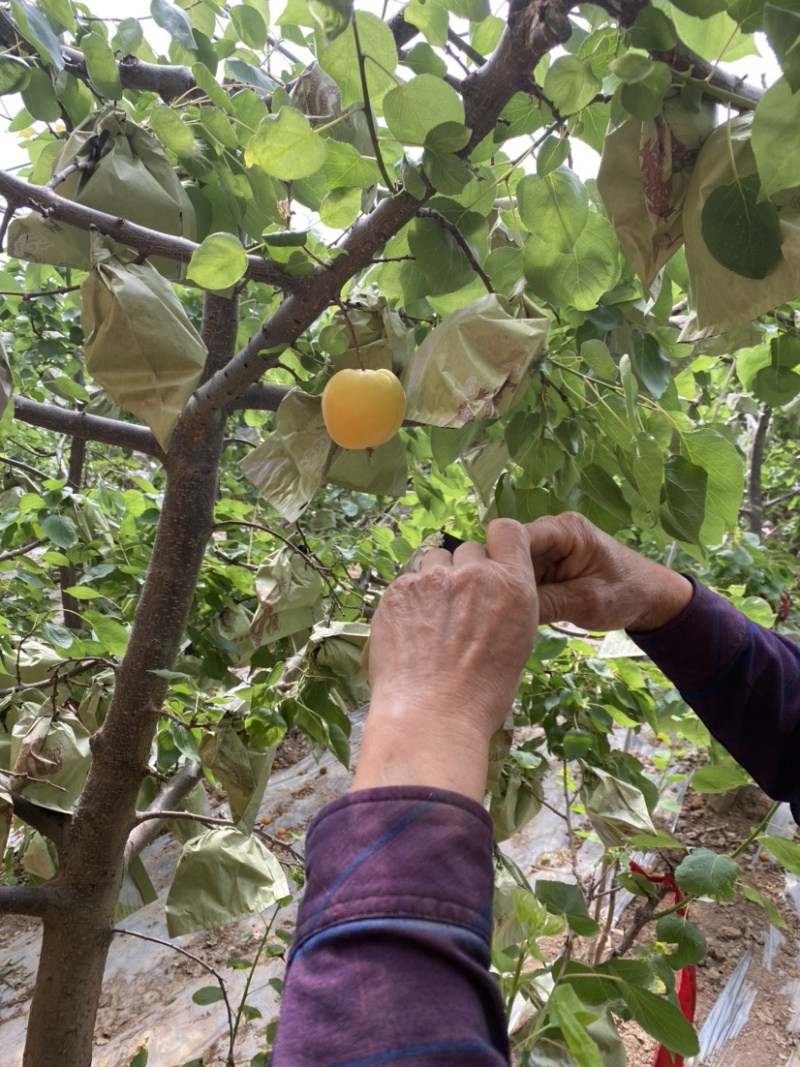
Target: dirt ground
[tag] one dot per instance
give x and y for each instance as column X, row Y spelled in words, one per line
column 155, row 994
column 770, row 1033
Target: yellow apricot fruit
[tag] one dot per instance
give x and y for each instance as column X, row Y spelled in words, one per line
column 363, row 408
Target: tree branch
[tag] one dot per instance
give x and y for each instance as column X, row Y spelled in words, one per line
column 534, row 28
column 88, row 427
column 157, row 814
column 48, row 203
column 460, row 240
column 261, row 398
column 50, row 824
column 23, row 900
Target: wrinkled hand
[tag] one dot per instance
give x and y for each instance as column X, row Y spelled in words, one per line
column 587, row 578
column 447, row 649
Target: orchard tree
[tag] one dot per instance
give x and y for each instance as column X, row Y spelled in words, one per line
column 224, row 205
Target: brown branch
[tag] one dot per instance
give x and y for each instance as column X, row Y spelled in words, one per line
column 261, row 398
column 534, row 28
column 23, row 900
column 87, row 427
column 21, row 551
column 178, row 788
column 20, row 193
column 51, row 824
column 68, row 574
column 460, row 240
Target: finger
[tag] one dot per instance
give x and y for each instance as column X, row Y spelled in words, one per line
column 469, row 552
column 550, row 540
column 507, row 542
column 436, row 557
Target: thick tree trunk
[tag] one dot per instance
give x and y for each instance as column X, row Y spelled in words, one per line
column 83, row 896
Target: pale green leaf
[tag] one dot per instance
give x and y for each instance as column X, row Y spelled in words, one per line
column 101, row 65
column 111, row 634
column 704, row 873
column 690, row 944
column 34, row 27
column 61, row 530
column 286, row 147
column 340, row 60
column 14, row 74
column 571, row 84
column 786, row 852
column 218, row 263
column 774, row 138
column 175, row 21
column 414, row 108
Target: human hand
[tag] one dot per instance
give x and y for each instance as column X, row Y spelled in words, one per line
column 590, row 579
column 447, row 648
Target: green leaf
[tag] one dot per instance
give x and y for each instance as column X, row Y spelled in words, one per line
column 724, row 468
column 571, row 84
column 643, row 98
column 715, row 37
column 448, row 137
column 741, row 233
column 35, row 28
column 101, row 65
column 662, row 1019
column 340, row 208
column 786, row 852
column 651, row 366
column 718, row 778
column 690, row 944
column 570, row 1015
column 423, row 60
column 684, row 499
column 340, row 60
column 250, row 25
column 653, row 31
column 345, row 168
column 211, row 87
column 596, row 356
column 565, row 898
column 111, row 634
column 702, row 9
column 579, row 277
column 438, row 256
column 59, row 12
column 175, row 21
column 704, row 873
column 218, row 263
column 140, row 1058
column 286, row 147
column 332, row 16
column 774, row 138
column 61, row 530
column 773, row 914
column 415, row 107
column 430, row 19
column 474, row 10
column 555, row 207
column 446, row 172
column 82, row 592
column 14, row 74
column 39, row 97
column 209, row 994
column 782, row 28
column 174, row 134
column 553, row 151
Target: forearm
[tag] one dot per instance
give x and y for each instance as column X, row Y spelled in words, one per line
column 391, row 955
column 742, row 680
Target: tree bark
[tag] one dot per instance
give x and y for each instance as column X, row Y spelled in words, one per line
column 70, row 605
column 83, row 896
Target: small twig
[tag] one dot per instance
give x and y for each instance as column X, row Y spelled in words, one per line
column 373, row 133
column 351, row 330
column 35, row 294
column 460, row 240
column 22, row 550
column 642, row 916
column 605, row 933
column 196, row 959
column 12, row 206
column 188, row 816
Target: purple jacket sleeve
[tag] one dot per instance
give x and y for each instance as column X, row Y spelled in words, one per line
column 744, row 683
column 390, row 961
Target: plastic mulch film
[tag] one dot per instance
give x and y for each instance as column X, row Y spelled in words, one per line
column 120, row 164
column 140, row 346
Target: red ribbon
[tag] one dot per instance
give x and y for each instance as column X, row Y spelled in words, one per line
column 686, row 985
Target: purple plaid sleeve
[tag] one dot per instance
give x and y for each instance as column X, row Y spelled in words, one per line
column 744, row 683
column 390, row 962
